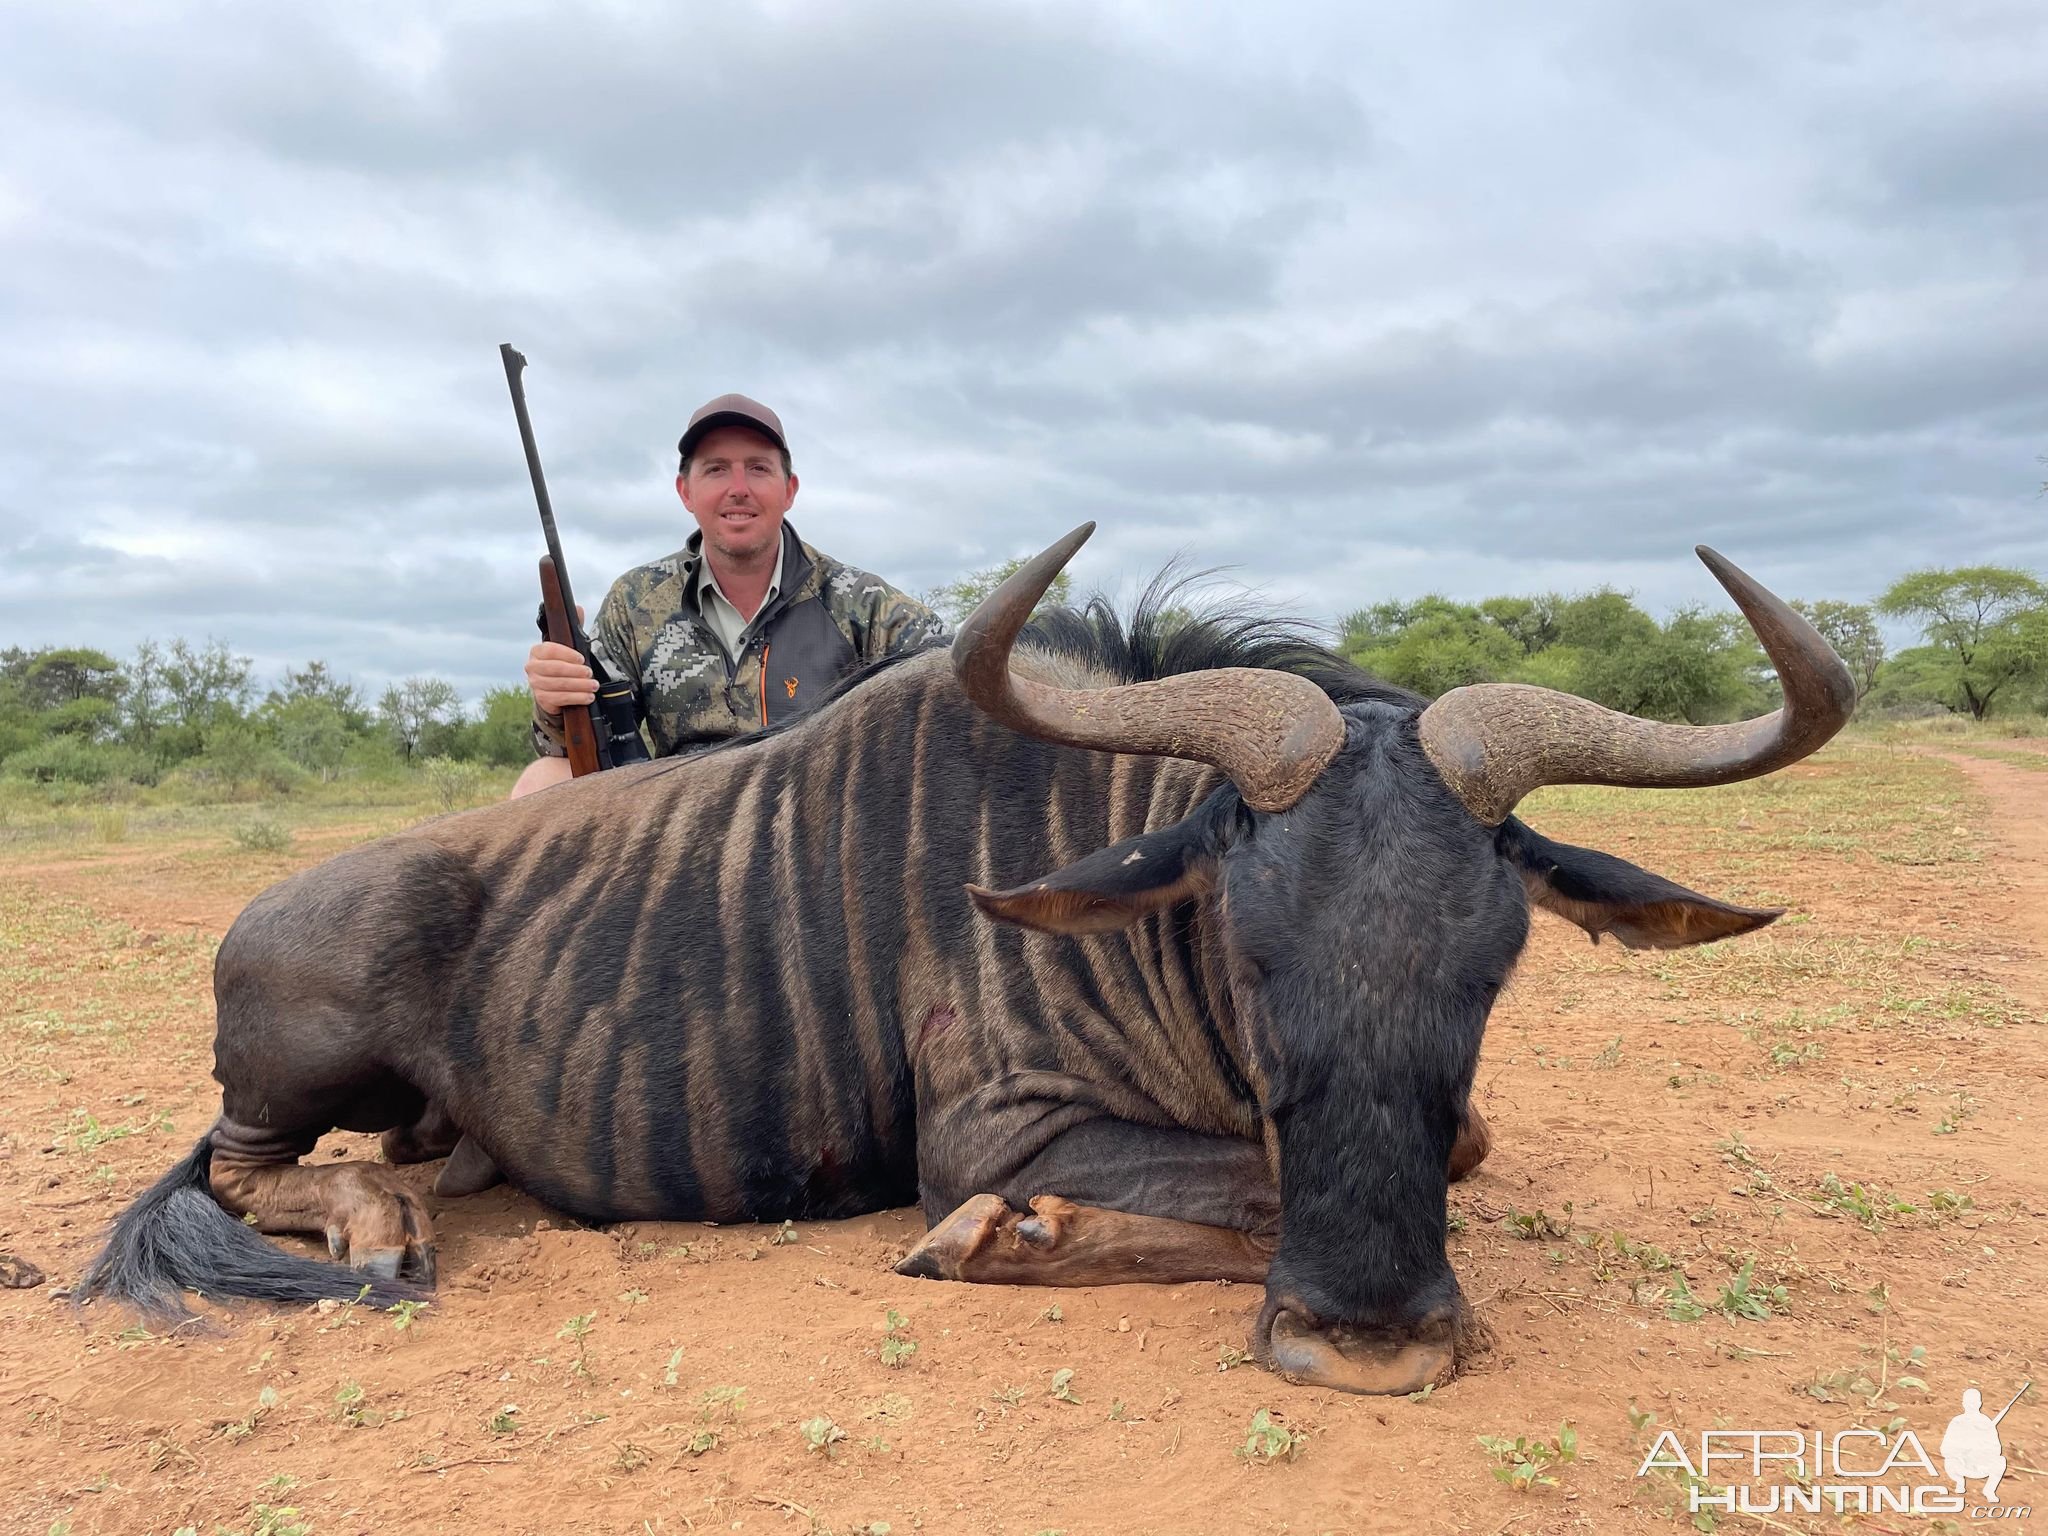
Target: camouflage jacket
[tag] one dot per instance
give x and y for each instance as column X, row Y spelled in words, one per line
column 828, row 619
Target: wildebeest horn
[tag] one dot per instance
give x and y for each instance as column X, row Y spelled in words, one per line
column 1495, row 742
column 1271, row 732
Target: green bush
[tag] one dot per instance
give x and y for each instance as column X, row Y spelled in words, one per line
column 456, row 784
column 239, row 758
column 374, row 758
column 503, row 735
column 69, row 760
column 263, row 836
column 314, row 734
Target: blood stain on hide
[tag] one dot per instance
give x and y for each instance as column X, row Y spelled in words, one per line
column 937, row 1021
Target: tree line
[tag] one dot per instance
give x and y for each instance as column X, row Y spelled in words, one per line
column 78, row 715
column 1983, row 650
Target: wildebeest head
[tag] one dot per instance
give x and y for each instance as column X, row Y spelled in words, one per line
column 1374, row 888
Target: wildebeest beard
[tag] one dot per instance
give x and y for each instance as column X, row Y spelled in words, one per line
column 1106, row 1015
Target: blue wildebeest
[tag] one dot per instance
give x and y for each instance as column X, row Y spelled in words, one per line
column 1231, row 1035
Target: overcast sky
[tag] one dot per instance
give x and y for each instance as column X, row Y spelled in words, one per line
column 1359, row 301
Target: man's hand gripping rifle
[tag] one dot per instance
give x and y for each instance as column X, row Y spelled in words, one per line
column 604, row 733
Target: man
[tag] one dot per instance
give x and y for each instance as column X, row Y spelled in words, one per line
column 744, row 626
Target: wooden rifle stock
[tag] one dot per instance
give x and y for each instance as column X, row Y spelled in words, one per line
column 579, row 729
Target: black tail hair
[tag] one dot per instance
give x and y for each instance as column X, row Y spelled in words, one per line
column 176, row 1237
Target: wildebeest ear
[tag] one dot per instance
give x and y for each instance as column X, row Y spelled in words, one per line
column 1115, row 887
column 1603, row 894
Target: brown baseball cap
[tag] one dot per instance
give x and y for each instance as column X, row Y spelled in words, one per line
column 732, row 411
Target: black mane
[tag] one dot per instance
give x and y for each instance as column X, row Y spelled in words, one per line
column 1169, row 632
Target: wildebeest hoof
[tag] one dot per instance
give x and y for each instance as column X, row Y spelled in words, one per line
column 1047, row 1222
column 369, row 1215
column 949, row 1245
column 1474, row 1141
column 1352, row 1359
column 17, row 1274
column 469, row 1171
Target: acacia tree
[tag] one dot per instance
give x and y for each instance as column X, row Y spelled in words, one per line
column 1431, row 645
column 52, row 678
column 66, row 691
column 204, row 686
column 957, row 599
column 413, row 708
column 143, row 705
column 315, row 684
column 1851, row 629
column 1983, row 624
column 1531, row 622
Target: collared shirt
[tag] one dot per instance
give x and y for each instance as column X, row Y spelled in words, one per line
column 720, row 612
column 692, row 686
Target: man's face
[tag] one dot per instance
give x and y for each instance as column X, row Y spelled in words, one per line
column 738, row 493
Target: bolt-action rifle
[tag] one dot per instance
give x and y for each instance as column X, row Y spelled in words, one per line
column 604, row 733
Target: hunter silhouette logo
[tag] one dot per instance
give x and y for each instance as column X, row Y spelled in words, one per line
column 1970, row 1448
column 790, row 684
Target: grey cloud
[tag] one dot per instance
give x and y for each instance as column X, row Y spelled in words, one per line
column 1359, row 303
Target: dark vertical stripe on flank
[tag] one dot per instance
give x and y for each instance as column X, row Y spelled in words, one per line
column 671, row 981
column 721, row 1047
column 1030, row 1045
column 1091, row 959
column 599, row 1147
column 814, row 1119
column 913, row 840
column 592, row 969
column 569, row 1000
column 874, row 797
column 816, row 897
column 678, row 1195
column 651, row 1009
column 839, row 885
column 594, row 980
column 762, row 1090
column 631, row 1132
column 1079, row 972
column 989, row 1030
column 495, row 866
column 536, row 919
column 678, row 967
column 1187, row 935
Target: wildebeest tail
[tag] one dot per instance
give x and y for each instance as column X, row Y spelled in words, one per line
column 176, row 1237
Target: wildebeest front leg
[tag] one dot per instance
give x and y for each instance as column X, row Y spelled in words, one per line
column 1110, row 1201
column 365, row 1210
column 1061, row 1243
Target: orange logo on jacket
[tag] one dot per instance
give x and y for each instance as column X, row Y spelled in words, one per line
column 789, row 683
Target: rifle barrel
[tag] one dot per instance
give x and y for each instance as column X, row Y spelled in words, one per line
column 515, row 364
column 2015, row 1398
